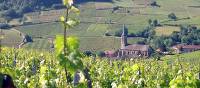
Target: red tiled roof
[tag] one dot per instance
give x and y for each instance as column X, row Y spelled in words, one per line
column 137, row 47
column 187, row 46
column 191, row 46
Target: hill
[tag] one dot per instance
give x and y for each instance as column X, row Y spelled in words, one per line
column 103, row 20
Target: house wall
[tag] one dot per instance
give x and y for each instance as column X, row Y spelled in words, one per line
column 186, row 50
column 133, row 53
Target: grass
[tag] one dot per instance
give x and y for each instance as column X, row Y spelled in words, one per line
column 41, row 30
column 100, row 5
column 166, row 30
column 91, row 36
column 99, row 43
column 86, row 44
column 192, row 21
column 43, row 44
column 11, row 38
column 193, row 57
column 134, row 40
column 123, row 3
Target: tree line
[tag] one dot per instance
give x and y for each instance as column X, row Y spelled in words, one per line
column 16, row 8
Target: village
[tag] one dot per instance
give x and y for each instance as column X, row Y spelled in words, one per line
column 145, row 51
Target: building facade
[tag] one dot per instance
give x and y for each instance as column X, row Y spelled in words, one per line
column 182, row 48
column 132, row 50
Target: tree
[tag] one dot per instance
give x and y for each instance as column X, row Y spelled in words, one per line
column 154, row 3
column 175, row 37
column 88, row 53
column 10, row 13
column 155, row 23
column 25, row 9
column 115, row 8
column 118, row 33
column 107, row 34
column 152, row 33
column 18, row 4
column 132, row 35
column 196, row 42
column 172, row 16
column 101, row 54
column 168, row 42
column 185, row 40
column 184, row 30
column 159, row 43
column 150, row 22
column 28, row 38
column 3, row 7
column 4, row 26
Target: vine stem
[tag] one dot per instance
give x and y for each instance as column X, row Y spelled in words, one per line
column 0, row 45
column 65, row 42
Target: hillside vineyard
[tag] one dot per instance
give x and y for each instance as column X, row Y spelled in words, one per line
column 99, row 44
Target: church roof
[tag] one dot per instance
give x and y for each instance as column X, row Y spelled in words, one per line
column 137, row 47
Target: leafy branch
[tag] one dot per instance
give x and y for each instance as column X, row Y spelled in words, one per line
column 67, row 48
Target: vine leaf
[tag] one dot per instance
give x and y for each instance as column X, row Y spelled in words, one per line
column 59, row 45
column 73, row 59
column 68, row 2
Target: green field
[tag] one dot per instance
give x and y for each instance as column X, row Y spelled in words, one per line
column 95, row 23
column 38, row 44
column 11, row 38
column 192, row 57
column 166, row 30
column 41, row 30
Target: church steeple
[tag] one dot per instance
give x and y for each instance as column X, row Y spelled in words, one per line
column 124, row 37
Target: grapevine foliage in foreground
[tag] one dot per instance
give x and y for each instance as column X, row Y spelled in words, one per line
column 35, row 69
column 67, row 48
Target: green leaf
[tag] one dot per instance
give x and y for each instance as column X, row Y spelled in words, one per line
column 135, row 67
column 73, row 59
column 72, row 22
column 75, row 10
column 62, row 18
column 72, row 43
column 59, row 44
column 68, row 2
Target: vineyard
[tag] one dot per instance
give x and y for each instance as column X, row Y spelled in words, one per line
column 33, row 69
column 55, row 59
column 166, row 30
column 12, row 37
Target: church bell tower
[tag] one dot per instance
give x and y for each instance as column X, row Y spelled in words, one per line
column 124, row 38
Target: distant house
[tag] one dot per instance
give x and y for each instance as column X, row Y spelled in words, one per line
column 110, row 54
column 182, row 48
column 133, row 50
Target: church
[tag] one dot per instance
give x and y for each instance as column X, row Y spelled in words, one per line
column 132, row 50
